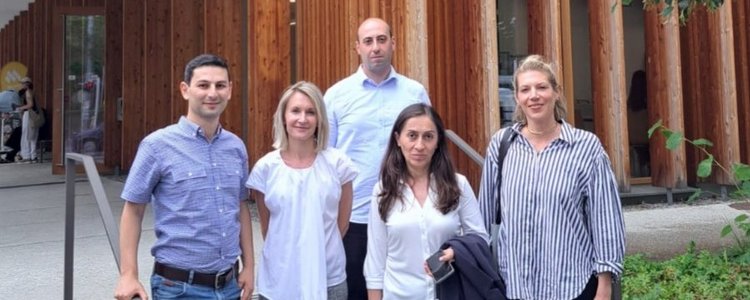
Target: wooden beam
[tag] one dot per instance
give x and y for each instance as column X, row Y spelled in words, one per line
column 720, row 107
column 113, row 83
column 741, row 22
column 157, row 80
column 664, row 89
column 608, row 85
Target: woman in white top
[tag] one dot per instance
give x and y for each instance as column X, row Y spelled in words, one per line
column 304, row 195
column 419, row 203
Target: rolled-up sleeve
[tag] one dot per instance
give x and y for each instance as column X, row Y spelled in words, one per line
column 377, row 243
column 606, row 223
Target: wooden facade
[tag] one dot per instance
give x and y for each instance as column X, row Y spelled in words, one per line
column 698, row 74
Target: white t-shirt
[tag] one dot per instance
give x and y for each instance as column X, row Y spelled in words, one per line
column 397, row 250
column 303, row 252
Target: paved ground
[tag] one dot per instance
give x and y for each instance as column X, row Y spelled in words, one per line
column 32, row 229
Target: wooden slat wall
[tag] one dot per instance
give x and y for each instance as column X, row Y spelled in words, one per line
column 158, row 83
column 133, row 85
column 224, row 38
column 187, row 41
column 269, row 51
column 740, row 11
column 459, row 77
column 113, row 81
column 608, row 86
column 663, row 71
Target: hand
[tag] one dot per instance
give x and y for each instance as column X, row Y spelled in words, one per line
column 246, row 281
column 604, row 288
column 448, row 255
column 128, row 287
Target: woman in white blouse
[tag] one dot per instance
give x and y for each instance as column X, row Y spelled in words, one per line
column 419, row 203
column 304, row 195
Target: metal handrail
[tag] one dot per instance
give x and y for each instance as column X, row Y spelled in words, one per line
column 465, row 147
column 105, row 211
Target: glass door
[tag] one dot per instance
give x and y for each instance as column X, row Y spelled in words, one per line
column 82, row 85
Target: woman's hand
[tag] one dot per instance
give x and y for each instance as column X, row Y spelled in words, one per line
column 448, row 256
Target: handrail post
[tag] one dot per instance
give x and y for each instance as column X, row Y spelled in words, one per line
column 70, row 194
column 105, row 212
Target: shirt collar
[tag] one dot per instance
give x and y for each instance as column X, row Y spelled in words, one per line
column 189, row 128
column 362, row 77
column 566, row 131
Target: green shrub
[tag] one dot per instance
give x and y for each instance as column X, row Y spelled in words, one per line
column 692, row 275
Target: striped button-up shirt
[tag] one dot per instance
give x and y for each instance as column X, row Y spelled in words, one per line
column 561, row 214
column 195, row 187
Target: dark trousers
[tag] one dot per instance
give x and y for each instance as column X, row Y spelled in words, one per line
column 355, row 246
column 589, row 292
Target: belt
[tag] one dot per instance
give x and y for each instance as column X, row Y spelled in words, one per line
column 215, row 280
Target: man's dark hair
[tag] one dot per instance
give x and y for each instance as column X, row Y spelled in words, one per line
column 202, row 61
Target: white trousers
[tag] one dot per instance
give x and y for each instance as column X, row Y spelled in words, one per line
column 29, row 136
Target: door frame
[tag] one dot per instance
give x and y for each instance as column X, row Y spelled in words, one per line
column 58, row 83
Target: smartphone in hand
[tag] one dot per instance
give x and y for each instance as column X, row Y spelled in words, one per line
column 440, row 270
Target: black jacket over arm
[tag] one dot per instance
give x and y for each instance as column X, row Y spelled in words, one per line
column 475, row 277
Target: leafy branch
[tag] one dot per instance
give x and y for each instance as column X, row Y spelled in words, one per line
column 740, row 173
column 685, row 7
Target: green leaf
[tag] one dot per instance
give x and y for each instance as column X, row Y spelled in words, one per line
column 667, row 10
column 704, row 167
column 741, row 218
column 703, row 142
column 695, row 195
column 741, row 171
column 726, row 230
column 653, row 128
column 674, row 140
column 625, row 2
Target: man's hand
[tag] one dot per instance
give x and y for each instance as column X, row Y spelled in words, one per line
column 246, row 281
column 128, row 287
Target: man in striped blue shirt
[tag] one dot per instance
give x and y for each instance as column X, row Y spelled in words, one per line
column 361, row 111
column 562, row 232
column 193, row 174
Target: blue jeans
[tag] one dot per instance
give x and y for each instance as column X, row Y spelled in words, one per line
column 162, row 288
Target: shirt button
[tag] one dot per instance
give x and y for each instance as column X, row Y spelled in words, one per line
column 214, row 164
column 190, row 173
column 224, row 234
column 218, row 188
column 221, row 210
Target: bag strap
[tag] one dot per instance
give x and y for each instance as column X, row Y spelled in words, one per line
column 508, row 136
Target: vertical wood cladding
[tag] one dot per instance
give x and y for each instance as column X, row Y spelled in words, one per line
column 608, row 86
column 664, row 96
column 269, row 50
column 741, row 22
column 113, row 81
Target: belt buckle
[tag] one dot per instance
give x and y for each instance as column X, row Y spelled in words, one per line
column 217, row 279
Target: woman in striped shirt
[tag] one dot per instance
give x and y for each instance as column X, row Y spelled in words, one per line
column 562, row 233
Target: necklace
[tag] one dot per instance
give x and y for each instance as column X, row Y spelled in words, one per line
column 541, row 132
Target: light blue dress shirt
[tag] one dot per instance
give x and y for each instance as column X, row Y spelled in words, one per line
column 361, row 114
column 195, row 187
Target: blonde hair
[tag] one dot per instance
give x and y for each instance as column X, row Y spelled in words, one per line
column 280, row 138
column 538, row 63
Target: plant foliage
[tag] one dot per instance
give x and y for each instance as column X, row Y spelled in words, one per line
column 684, row 7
